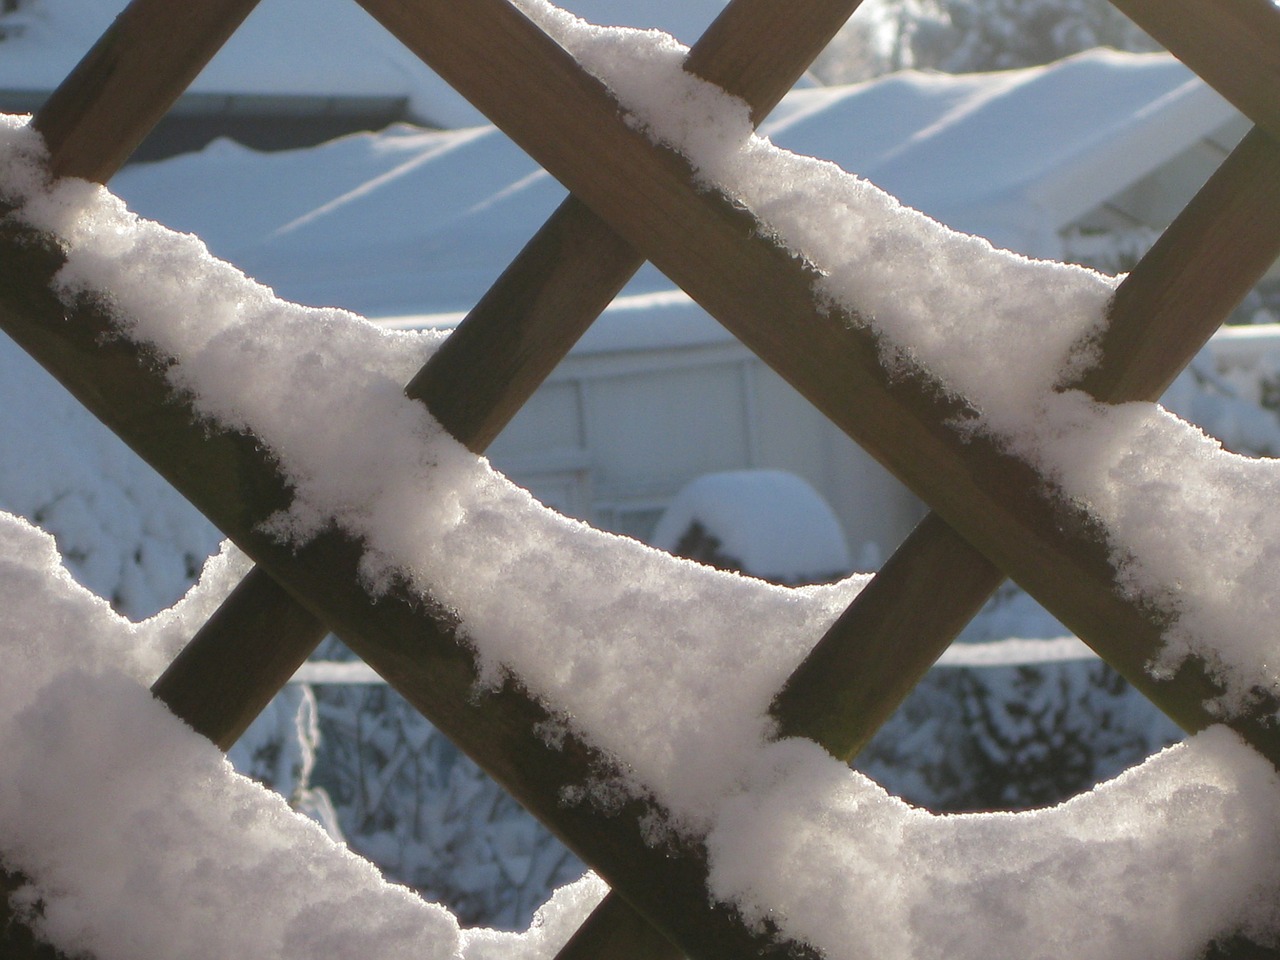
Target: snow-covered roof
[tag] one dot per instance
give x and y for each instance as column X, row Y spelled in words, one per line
column 316, row 50
column 286, row 49
column 1010, row 155
column 1014, row 155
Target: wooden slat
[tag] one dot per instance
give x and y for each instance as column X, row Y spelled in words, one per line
column 934, row 583
column 883, row 644
column 525, row 325
column 239, row 660
column 615, row 931
column 1234, row 45
column 129, row 80
column 712, row 248
column 1213, row 254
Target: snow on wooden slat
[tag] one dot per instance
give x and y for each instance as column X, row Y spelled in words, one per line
column 1161, row 316
column 482, row 375
column 708, row 243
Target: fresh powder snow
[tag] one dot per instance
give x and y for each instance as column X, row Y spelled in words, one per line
column 1156, row 862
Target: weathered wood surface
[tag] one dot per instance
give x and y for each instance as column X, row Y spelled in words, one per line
column 228, row 673
column 615, row 931
column 1212, row 254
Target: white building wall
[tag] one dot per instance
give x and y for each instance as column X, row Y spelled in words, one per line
column 613, row 436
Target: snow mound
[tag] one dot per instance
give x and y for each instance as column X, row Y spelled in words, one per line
column 769, row 523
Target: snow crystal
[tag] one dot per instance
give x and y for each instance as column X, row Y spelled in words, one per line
column 1192, row 528
column 553, row 924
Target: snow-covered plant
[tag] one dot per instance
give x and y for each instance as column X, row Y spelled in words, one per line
column 961, row 36
column 125, row 533
column 1014, row 737
column 407, row 799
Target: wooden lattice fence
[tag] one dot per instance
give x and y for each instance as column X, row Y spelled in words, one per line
column 995, row 515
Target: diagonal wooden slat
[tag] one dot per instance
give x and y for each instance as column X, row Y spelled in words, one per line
column 1162, row 313
column 1226, row 235
column 615, row 931
column 709, row 246
column 1234, row 45
column 239, row 660
column 129, row 79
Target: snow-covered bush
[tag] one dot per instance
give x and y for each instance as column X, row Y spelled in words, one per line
column 124, row 532
column 407, row 799
column 961, row 36
column 1014, row 736
column 130, row 537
